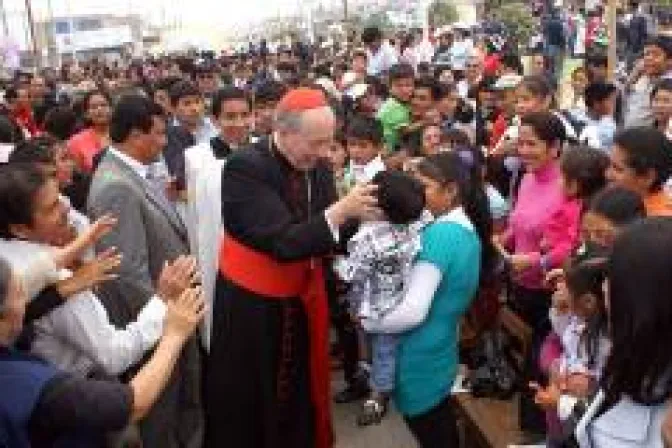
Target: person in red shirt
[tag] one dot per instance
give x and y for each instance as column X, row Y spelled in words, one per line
column 21, row 110
column 85, row 145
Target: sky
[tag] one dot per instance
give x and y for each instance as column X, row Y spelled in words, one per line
column 224, row 12
column 195, row 16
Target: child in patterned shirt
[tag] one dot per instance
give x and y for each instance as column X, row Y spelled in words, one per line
column 379, row 261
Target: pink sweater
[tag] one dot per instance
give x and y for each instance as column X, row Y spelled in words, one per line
column 537, row 221
column 562, row 233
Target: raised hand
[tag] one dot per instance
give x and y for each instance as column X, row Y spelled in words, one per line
column 546, row 397
column 92, row 273
column 184, row 314
column 177, row 276
column 360, row 202
column 101, row 227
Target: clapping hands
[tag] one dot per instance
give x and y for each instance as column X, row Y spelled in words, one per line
column 177, row 276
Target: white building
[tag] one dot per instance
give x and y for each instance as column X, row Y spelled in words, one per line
column 82, row 37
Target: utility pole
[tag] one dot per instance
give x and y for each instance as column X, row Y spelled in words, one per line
column 5, row 27
column 31, row 24
column 53, row 53
column 611, row 32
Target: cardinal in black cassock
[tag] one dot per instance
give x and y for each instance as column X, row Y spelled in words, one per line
column 267, row 377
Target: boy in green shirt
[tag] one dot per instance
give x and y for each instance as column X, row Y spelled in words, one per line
column 395, row 113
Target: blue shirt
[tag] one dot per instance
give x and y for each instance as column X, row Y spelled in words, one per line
column 428, row 354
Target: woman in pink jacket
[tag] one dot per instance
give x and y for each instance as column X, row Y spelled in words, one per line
column 541, row 135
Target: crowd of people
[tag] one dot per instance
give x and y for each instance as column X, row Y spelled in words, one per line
column 190, row 245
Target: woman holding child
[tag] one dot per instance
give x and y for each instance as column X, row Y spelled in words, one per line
column 443, row 281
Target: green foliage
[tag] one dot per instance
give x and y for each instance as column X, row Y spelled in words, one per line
column 378, row 19
column 517, row 19
column 442, row 13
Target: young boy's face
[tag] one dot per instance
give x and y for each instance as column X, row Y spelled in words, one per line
column 661, row 105
column 337, row 156
column 538, row 66
column 422, row 102
column 362, row 151
column 507, row 101
column 609, row 105
column 596, row 73
column 359, row 64
column 605, row 107
column 402, row 89
column 234, row 121
column 656, row 61
column 448, row 104
column 190, row 110
column 263, row 117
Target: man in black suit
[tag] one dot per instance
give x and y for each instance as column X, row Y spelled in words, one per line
column 190, row 126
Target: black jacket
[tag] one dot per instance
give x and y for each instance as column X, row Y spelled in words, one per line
column 179, row 139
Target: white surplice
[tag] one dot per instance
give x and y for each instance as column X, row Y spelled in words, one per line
column 204, row 220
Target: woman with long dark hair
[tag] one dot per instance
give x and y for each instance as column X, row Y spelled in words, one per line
column 96, row 112
column 456, row 253
column 636, row 388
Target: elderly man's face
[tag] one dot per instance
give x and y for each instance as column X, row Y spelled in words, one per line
column 312, row 142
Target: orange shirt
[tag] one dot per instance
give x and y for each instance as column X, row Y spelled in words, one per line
column 658, row 204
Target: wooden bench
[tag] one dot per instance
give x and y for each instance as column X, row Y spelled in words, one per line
column 488, row 422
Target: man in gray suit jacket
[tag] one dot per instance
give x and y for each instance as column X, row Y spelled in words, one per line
column 148, row 234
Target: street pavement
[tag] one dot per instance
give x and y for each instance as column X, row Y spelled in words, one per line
column 391, row 433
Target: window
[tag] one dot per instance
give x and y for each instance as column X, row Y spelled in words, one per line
column 88, row 24
column 61, row 27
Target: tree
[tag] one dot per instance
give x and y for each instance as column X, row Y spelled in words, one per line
column 494, row 4
column 517, row 20
column 378, row 20
column 442, row 13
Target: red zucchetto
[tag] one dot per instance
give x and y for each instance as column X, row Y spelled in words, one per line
column 301, row 99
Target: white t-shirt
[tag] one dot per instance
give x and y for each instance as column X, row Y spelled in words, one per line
column 381, row 60
column 460, row 52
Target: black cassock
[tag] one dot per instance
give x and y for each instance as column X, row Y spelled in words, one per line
column 257, row 386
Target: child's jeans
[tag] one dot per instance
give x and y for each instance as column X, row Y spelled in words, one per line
column 383, row 361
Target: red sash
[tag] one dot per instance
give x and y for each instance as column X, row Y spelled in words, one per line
column 262, row 275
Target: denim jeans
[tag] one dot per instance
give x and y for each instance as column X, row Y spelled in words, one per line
column 383, row 361
column 556, row 58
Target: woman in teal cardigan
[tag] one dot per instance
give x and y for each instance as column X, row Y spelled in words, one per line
column 456, row 248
